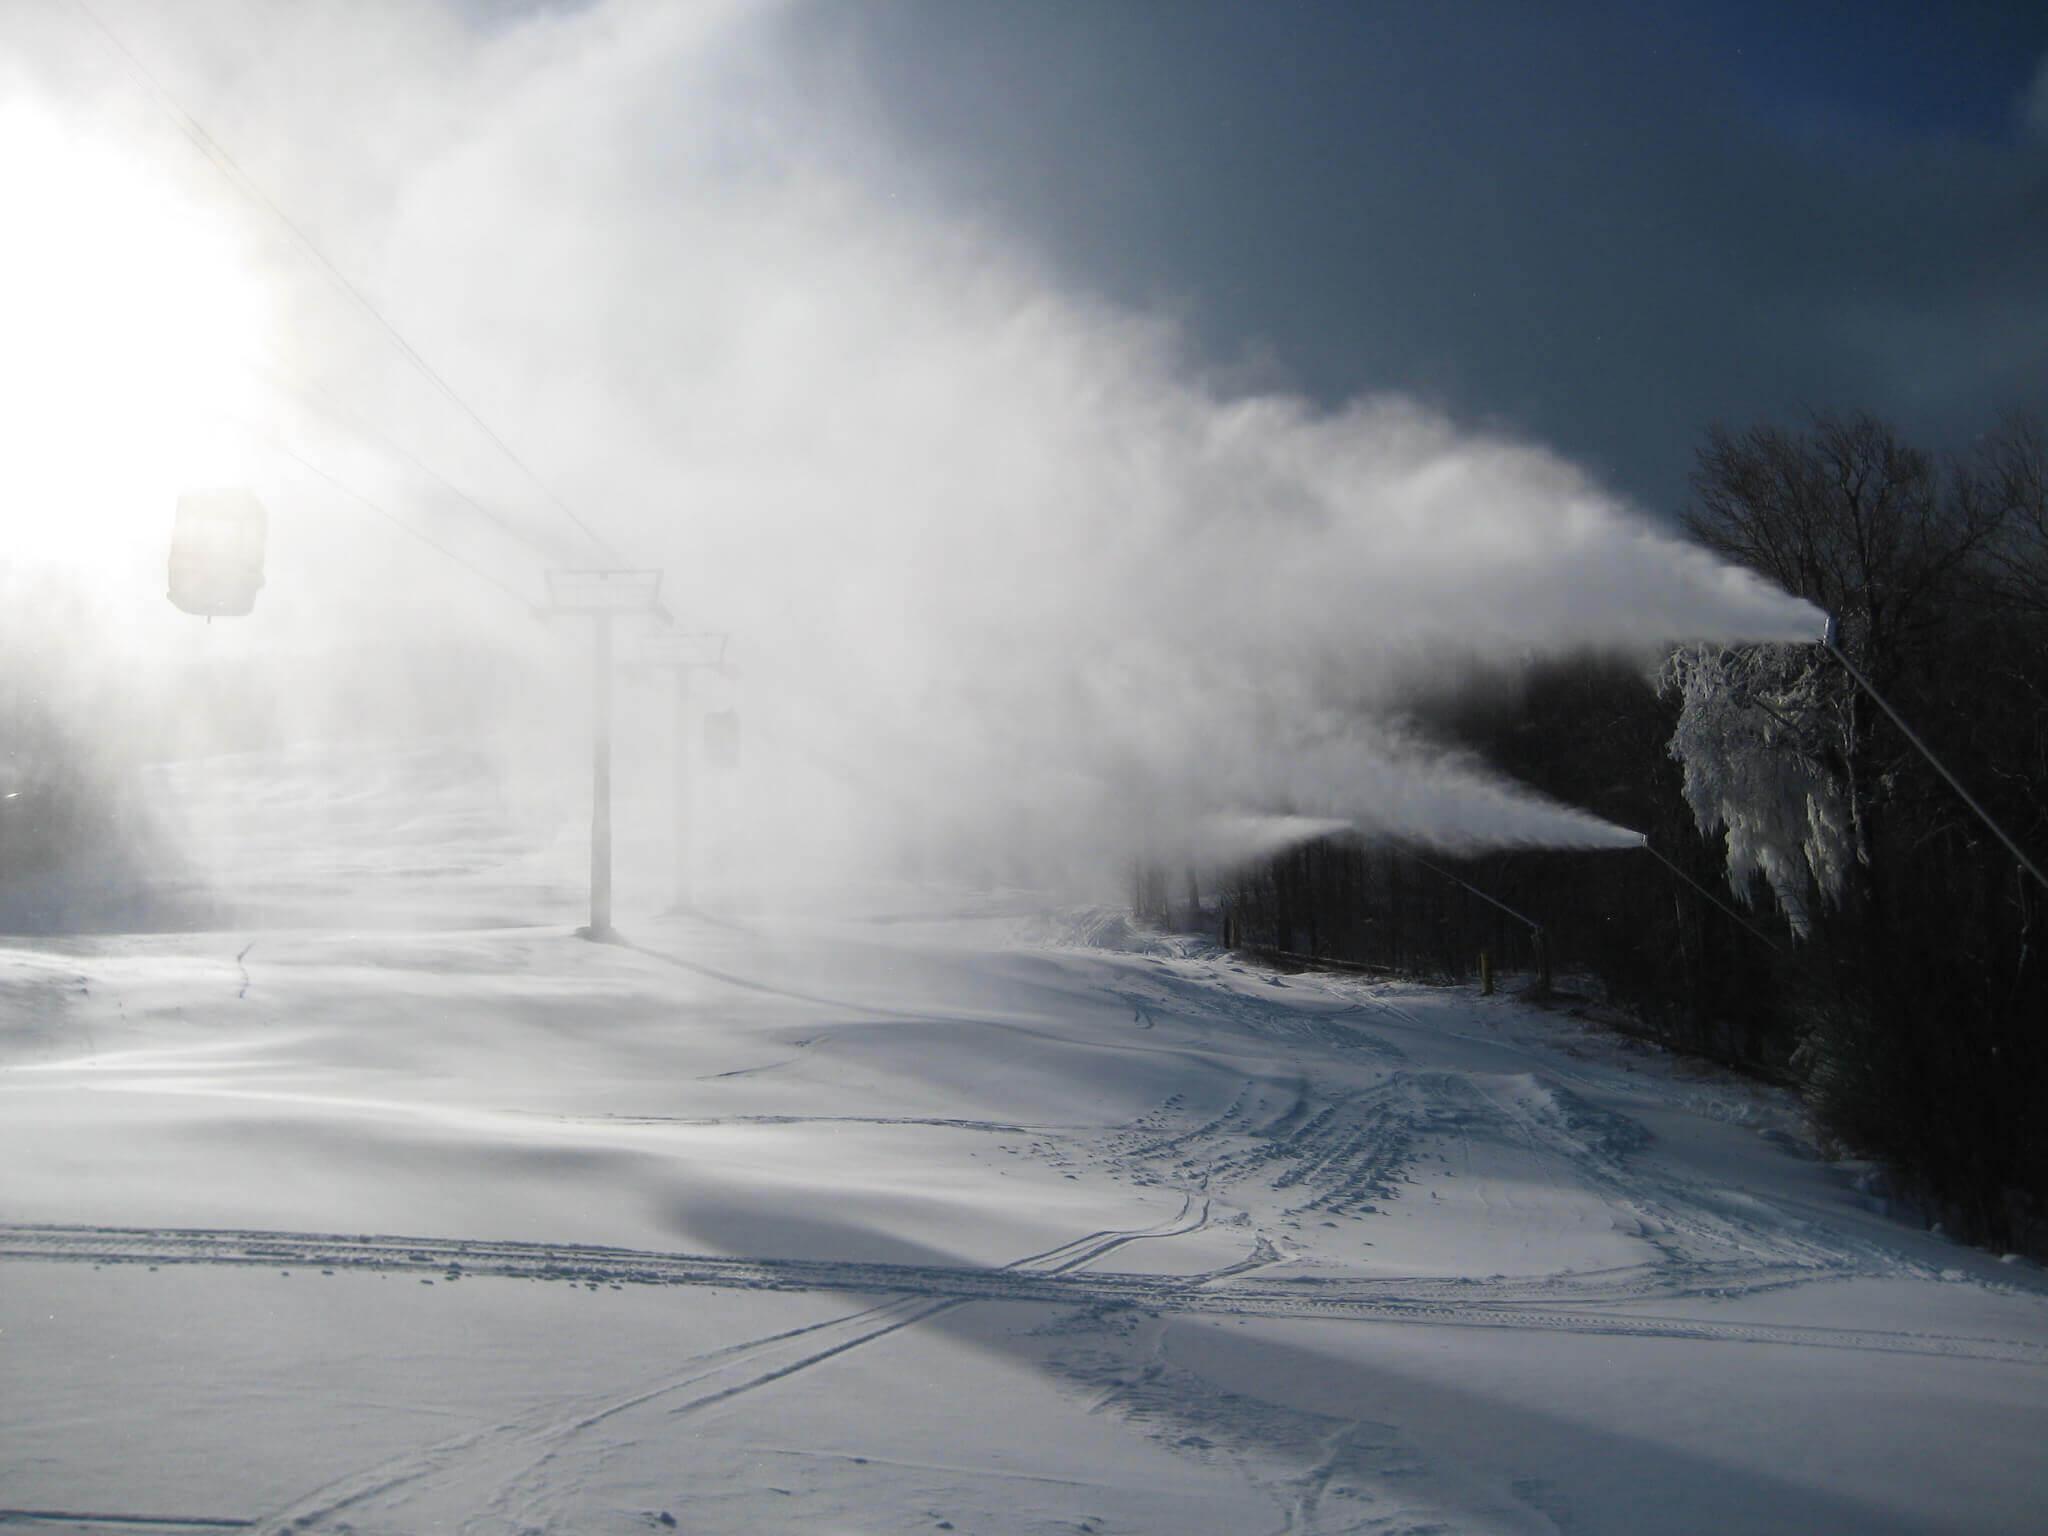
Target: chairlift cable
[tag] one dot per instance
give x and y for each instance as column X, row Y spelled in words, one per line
column 326, row 406
column 281, row 447
column 225, row 163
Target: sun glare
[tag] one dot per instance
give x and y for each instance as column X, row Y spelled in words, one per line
column 128, row 322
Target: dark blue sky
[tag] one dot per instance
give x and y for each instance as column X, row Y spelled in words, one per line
column 1601, row 224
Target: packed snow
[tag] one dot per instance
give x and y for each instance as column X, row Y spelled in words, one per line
column 391, row 1206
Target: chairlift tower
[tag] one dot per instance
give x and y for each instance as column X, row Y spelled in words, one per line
column 603, row 596
column 682, row 654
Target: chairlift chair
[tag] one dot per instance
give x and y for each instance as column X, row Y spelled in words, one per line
column 216, row 562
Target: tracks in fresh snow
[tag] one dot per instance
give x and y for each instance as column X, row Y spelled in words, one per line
column 514, row 1472
column 1344, row 1122
column 1341, row 1151
column 1561, row 1304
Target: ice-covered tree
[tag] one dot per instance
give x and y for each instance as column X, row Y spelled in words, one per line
column 1922, row 994
column 1775, row 745
column 1758, row 727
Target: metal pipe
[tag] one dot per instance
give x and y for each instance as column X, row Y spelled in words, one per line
column 1537, row 940
column 601, row 780
column 685, row 718
column 1490, row 901
column 1717, row 901
column 1828, row 642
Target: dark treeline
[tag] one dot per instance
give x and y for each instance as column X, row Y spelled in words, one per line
column 1592, row 731
column 1888, row 958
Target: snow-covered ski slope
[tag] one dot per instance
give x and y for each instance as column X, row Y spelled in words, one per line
column 411, row 1212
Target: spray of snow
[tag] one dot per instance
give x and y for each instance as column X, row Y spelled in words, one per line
column 1011, row 577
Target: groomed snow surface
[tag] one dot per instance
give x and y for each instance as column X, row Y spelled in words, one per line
column 399, row 1209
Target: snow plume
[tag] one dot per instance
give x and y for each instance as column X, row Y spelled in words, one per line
column 1006, row 570
column 1751, row 737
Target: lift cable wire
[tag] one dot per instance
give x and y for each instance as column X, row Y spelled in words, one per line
column 317, row 400
column 225, row 163
column 278, row 445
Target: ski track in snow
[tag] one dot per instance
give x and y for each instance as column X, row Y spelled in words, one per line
column 505, row 1476
column 1332, row 1118
column 1345, row 1146
column 1323, row 1473
column 1563, row 1303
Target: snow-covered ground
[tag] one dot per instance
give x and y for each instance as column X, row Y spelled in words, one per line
column 403, row 1210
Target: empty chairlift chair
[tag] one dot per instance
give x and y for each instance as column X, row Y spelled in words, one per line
column 217, row 553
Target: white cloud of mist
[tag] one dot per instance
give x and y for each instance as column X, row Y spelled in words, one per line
column 1005, row 572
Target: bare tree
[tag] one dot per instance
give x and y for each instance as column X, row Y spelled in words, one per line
column 1924, row 1040
column 1845, row 514
column 2015, row 473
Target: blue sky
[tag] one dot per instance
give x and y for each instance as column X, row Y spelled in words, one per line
column 1603, row 225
